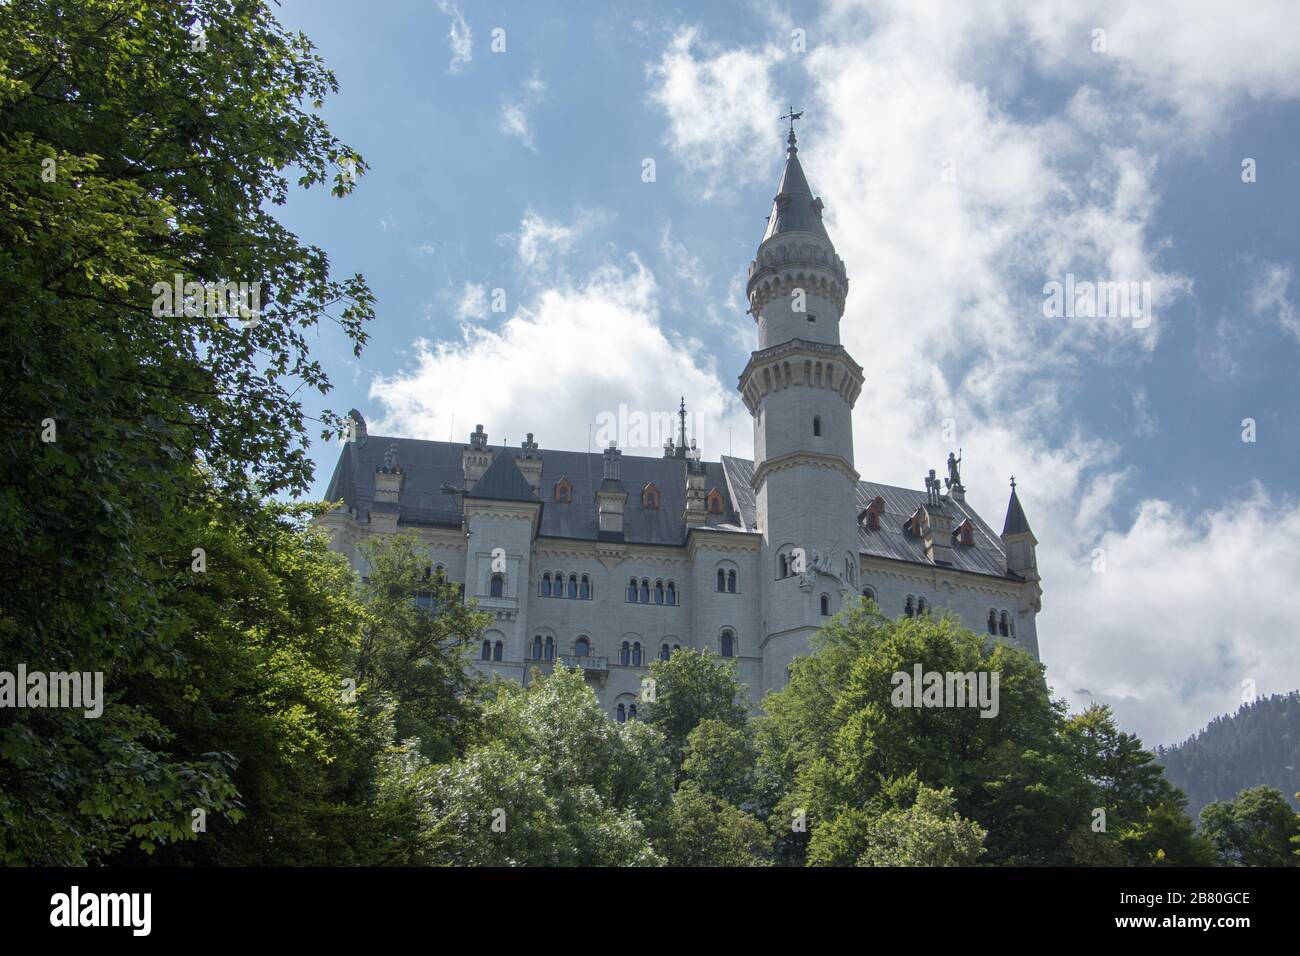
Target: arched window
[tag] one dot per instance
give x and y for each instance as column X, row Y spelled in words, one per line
column 545, row 589
column 581, row 647
column 624, row 654
column 584, row 588
column 573, row 585
column 817, row 425
column 728, row 644
column 826, row 605
column 664, row 652
column 993, row 621
column 784, row 564
column 672, row 593
column 621, row 714
column 731, row 582
column 645, row 591
column 550, row 649
column 497, row 650
column 485, row 653
column 713, row 502
column 1004, row 627
column 564, row 491
column 909, row 606
column 636, row 653
column 537, row 647
column 631, row 591
column 659, row 592
column 497, row 585
column 922, row 606
column 722, row 580
column 631, row 711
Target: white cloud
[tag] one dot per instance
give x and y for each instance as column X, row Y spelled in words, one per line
column 576, row 351
column 473, row 302
column 720, row 108
column 1145, row 422
column 515, row 114
column 540, row 240
column 459, row 37
column 1269, row 298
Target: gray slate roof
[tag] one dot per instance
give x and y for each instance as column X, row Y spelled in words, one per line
column 794, row 209
column 429, row 464
column 984, row 557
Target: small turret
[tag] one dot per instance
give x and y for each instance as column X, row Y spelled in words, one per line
column 1018, row 540
column 530, row 462
column 475, row 457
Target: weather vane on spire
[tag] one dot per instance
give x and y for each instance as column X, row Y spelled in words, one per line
column 791, row 116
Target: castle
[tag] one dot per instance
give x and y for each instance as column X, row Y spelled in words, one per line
column 605, row 562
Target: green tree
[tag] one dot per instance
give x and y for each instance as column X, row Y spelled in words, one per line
column 705, row 830
column 689, row 687
column 554, row 782
column 140, row 141
column 1258, row 828
column 417, row 652
column 720, row 760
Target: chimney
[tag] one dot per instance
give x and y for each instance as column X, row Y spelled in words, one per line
column 529, row 463
column 936, row 524
column 696, row 504
column 611, row 497
column 475, row 459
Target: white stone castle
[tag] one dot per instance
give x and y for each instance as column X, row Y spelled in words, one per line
column 606, row 562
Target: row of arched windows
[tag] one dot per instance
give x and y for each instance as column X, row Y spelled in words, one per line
column 1002, row 624
column 630, row 653
column 624, row 713
column 577, row 587
column 491, row 651
column 916, row 606
column 727, row 580
column 643, row 593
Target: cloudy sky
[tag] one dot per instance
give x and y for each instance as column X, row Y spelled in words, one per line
column 564, row 198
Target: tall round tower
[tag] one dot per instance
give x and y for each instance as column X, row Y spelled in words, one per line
column 800, row 386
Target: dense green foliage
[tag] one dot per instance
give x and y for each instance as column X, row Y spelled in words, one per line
column 1258, row 745
column 131, row 151
column 1258, row 828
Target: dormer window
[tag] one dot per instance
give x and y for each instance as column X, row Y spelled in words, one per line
column 870, row 517
column 650, row 497
column 713, row 502
column 965, row 533
column 564, row 491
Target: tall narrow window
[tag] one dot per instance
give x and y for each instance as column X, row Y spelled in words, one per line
column 722, row 580
column 922, row 606
column 826, row 605
column 573, row 585
column 645, row 591
column 636, row 653
column 731, row 581
column 550, row 649
column 631, row 711
column 584, row 588
column 1003, row 627
column 993, row 621
column 909, row 606
column 785, row 567
column 624, row 654
column 659, row 592
column 631, row 591
column 537, row 648
column 817, row 425
column 664, row 652
column 728, row 644
column 497, row 650
column 621, row 714
column 485, row 653
column 545, row 589
column 497, row 585
column 581, row 647
column 672, row 593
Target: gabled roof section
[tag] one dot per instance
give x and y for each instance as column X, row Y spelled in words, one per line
column 503, row 482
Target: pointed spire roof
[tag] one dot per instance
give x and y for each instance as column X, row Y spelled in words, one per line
column 1016, row 522
column 503, row 481
column 795, row 209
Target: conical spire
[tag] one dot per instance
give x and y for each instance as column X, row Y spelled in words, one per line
column 795, row 209
column 1016, row 522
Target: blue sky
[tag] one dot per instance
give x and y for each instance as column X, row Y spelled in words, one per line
column 967, row 155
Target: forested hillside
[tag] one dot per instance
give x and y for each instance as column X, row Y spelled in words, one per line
column 1259, row 744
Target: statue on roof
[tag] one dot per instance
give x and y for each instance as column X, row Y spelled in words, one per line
column 953, row 481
